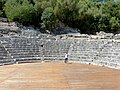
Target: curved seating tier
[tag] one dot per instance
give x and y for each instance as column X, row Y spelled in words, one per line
column 22, row 49
column 102, row 52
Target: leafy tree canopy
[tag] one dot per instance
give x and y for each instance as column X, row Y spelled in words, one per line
column 87, row 15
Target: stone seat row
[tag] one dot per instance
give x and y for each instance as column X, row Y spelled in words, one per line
column 25, row 51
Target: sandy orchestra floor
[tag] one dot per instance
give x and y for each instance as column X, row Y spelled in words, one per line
column 58, row 76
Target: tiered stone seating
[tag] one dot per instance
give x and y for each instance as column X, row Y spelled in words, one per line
column 86, row 51
column 50, row 50
column 83, row 51
column 5, row 57
column 99, row 46
column 116, row 49
column 102, row 52
column 109, row 55
column 23, row 49
column 55, row 50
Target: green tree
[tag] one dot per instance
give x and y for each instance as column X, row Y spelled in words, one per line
column 87, row 15
column 21, row 11
column 48, row 19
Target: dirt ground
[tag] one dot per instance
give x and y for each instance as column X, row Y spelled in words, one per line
column 58, row 76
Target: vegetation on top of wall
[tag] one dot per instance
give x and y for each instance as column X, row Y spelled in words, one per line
column 89, row 16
